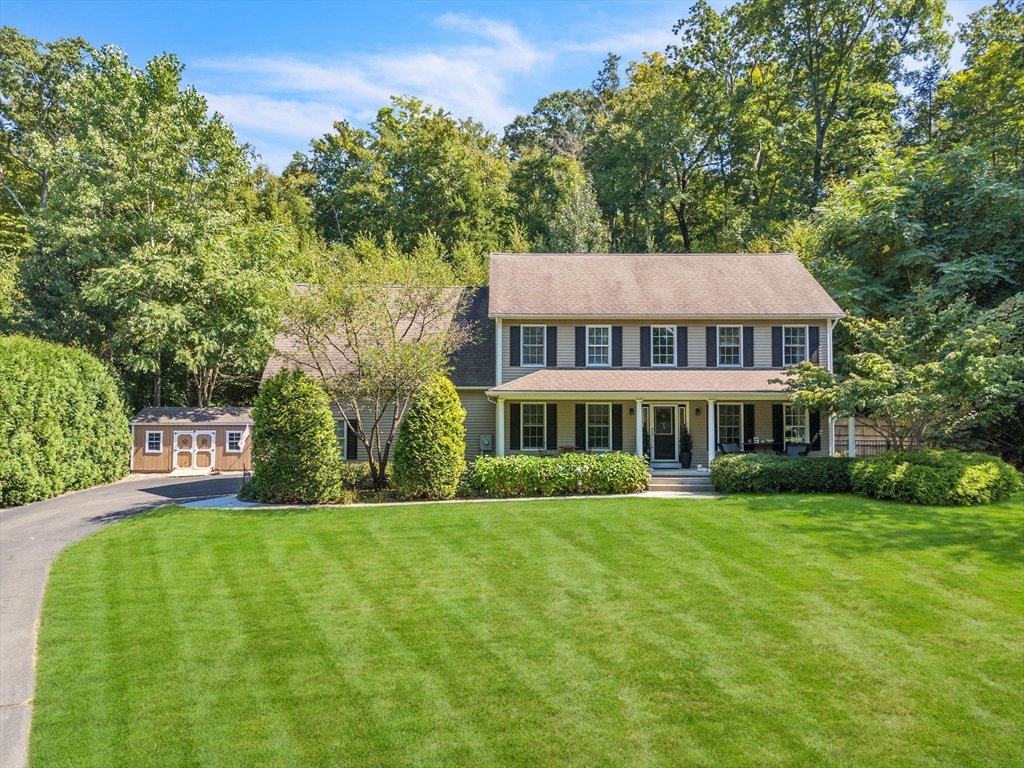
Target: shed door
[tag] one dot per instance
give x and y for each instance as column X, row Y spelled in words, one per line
column 193, row 450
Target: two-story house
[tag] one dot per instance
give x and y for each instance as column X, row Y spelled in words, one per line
column 593, row 351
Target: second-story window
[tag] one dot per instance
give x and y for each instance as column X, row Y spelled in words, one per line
column 533, row 345
column 599, row 345
column 729, row 344
column 663, row 345
column 794, row 344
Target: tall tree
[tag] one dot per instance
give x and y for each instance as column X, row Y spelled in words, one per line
column 33, row 116
column 414, row 170
column 843, row 61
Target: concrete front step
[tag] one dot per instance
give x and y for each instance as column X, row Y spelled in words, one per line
column 692, row 485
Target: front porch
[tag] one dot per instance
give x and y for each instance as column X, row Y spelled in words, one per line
column 644, row 411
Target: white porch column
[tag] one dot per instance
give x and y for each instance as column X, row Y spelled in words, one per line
column 851, row 437
column 711, row 431
column 499, row 439
column 831, row 435
column 640, row 428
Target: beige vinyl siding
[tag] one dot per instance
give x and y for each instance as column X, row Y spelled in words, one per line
column 481, row 415
column 567, row 424
column 696, row 342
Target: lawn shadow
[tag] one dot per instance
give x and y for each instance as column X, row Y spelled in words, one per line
column 857, row 526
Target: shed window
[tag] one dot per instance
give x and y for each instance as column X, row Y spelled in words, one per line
column 154, row 442
column 663, row 344
column 533, row 345
column 729, row 345
column 341, row 434
column 534, row 425
column 599, row 345
column 599, row 426
column 234, row 442
column 794, row 344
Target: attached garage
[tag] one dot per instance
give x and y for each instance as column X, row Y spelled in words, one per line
column 192, row 440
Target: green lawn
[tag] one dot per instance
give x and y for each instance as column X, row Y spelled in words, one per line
column 747, row 631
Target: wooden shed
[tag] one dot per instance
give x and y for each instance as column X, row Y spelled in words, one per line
column 191, row 440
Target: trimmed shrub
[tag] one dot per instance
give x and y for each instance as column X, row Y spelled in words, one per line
column 430, row 453
column 571, row 473
column 945, row 478
column 355, row 476
column 63, row 425
column 754, row 473
column 295, row 454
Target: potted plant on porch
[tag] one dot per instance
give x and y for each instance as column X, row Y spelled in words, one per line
column 685, row 447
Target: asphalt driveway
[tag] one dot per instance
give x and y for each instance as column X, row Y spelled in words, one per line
column 30, row 538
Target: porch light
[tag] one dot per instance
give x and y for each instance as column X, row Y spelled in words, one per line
column 696, row 411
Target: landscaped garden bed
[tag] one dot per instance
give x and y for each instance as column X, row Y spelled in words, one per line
column 768, row 631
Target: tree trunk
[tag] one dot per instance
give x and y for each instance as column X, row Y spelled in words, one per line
column 819, row 148
column 684, row 227
column 44, row 188
column 157, row 383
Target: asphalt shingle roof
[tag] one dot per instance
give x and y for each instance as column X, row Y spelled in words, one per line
column 192, row 415
column 618, row 381
column 656, row 285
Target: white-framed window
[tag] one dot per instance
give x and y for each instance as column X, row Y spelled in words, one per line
column 341, row 435
column 730, row 423
column 533, row 345
column 533, row 425
column 234, row 440
column 795, row 424
column 599, row 426
column 599, row 345
column 154, row 442
column 663, row 345
column 730, row 345
column 794, row 344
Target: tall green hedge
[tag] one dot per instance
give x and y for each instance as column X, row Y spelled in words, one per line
column 63, row 424
column 430, row 454
column 296, row 458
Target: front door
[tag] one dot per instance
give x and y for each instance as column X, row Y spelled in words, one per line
column 664, row 433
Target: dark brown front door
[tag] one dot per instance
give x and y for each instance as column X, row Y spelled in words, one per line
column 664, row 433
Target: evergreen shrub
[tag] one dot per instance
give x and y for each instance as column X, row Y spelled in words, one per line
column 430, row 453
column 295, row 453
column 571, row 473
column 63, row 424
column 757, row 473
column 942, row 478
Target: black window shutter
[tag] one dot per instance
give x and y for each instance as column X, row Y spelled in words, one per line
column 515, row 412
column 712, row 344
column 351, row 442
column 581, row 346
column 777, row 434
column 814, row 422
column 682, row 346
column 514, row 344
column 776, row 346
column 748, row 346
column 552, row 437
column 812, row 343
column 581, row 426
column 616, row 426
column 551, row 353
column 616, row 346
column 645, row 346
column 748, row 422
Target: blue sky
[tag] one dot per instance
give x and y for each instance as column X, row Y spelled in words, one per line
column 282, row 73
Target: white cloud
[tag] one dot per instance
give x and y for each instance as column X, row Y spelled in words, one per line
column 280, row 102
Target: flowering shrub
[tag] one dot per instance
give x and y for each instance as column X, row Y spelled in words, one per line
column 572, row 473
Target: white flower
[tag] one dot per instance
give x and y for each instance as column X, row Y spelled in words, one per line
column 579, row 482
column 578, row 470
